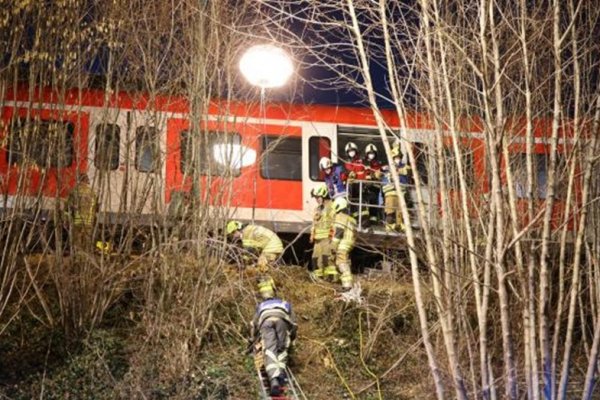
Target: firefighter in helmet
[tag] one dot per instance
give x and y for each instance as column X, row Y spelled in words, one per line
column 342, row 242
column 82, row 205
column 261, row 242
column 273, row 331
column 356, row 171
column 322, row 262
column 335, row 177
column 373, row 172
column 393, row 216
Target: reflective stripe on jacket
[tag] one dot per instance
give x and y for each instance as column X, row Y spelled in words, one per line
column 344, row 232
column 259, row 237
column 82, row 204
column 388, row 187
column 274, row 308
column 323, row 220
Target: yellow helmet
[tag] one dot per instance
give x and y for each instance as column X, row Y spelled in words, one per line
column 266, row 288
column 340, row 204
column 320, row 191
column 233, row 226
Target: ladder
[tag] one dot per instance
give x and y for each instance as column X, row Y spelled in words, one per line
column 290, row 390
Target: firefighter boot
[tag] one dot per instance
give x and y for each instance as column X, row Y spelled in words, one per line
column 275, row 388
column 330, row 273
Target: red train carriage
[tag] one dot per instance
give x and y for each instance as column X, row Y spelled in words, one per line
column 138, row 152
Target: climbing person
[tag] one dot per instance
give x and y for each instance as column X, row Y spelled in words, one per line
column 335, row 177
column 356, row 171
column 262, row 243
column 342, row 241
column 393, row 216
column 82, row 206
column 322, row 262
column 273, row 329
column 372, row 191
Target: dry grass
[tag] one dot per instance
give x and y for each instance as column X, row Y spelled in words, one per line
column 179, row 333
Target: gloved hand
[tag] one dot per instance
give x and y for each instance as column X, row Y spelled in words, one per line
column 352, row 175
column 378, row 175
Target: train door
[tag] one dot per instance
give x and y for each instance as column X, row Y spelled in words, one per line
column 318, row 141
column 417, row 139
column 145, row 155
column 108, row 148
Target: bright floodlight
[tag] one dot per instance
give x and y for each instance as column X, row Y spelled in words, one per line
column 266, row 66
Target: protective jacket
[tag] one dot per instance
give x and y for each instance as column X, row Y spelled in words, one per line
column 356, row 168
column 261, row 239
column 322, row 221
column 82, row 204
column 274, row 308
column 344, row 228
column 404, row 171
column 372, row 167
column 336, row 181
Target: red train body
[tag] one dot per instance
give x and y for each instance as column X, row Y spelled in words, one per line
column 138, row 149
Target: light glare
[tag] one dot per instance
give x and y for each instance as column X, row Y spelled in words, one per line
column 266, row 66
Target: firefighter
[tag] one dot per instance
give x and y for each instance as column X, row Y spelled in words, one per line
column 342, row 242
column 322, row 265
column 356, row 171
column 273, row 331
column 393, row 216
column 335, row 177
column 82, row 205
column 372, row 192
column 261, row 242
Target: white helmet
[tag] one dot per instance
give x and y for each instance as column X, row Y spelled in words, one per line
column 371, row 148
column 340, row 204
column 325, row 163
column 351, row 146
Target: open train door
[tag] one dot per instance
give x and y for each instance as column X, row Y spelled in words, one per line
column 318, row 140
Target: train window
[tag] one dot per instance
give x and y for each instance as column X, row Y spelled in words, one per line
column 214, row 153
column 540, row 171
column 281, row 158
column 361, row 141
column 451, row 168
column 317, row 147
column 106, row 154
column 46, row 143
column 146, row 149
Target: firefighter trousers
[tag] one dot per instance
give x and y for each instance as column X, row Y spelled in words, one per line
column 322, row 259
column 275, row 337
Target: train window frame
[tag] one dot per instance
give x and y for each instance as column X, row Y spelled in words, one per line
column 207, row 140
column 314, row 157
column 267, row 149
column 112, row 147
column 540, row 177
column 141, row 147
column 38, row 153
